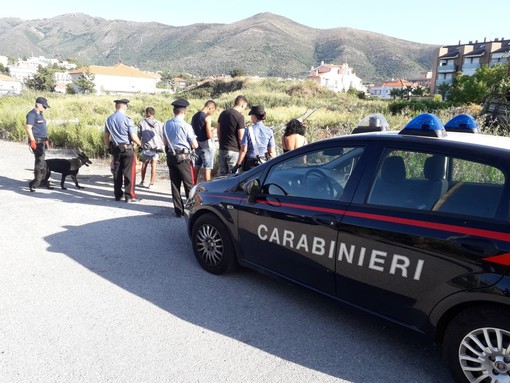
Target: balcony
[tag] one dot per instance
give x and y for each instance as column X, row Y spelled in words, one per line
column 443, row 81
column 447, row 68
column 470, row 66
column 496, row 62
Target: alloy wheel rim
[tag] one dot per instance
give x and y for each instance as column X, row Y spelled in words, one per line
column 210, row 245
column 484, row 355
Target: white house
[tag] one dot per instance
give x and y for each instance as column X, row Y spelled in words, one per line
column 62, row 79
column 119, row 79
column 8, row 85
column 384, row 90
column 339, row 78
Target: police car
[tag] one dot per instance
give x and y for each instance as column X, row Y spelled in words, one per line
column 413, row 226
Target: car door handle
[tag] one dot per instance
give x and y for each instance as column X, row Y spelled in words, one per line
column 477, row 246
column 325, row 219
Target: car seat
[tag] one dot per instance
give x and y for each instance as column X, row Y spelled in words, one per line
column 389, row 187
column 436, row 185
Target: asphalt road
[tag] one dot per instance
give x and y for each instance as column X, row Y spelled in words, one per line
column 94, row 290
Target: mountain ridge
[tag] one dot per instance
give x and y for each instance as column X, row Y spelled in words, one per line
column 265, row 44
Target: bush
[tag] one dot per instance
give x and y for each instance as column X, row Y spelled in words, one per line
column 77, row 121
column 410, row 107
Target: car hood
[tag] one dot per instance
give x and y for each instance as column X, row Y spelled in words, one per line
column 220, row 184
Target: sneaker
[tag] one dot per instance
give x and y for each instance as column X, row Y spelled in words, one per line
column 152, row 186
column 141, row 184
column 133, row 200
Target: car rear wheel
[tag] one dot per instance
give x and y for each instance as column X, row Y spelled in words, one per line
column 477, row 345
column 212, row 245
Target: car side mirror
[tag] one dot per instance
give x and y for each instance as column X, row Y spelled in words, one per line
column 252, row 188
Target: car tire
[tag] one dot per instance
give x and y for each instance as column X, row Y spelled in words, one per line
column 477, row 343
column 212, row 245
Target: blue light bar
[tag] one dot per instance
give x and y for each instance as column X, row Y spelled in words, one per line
column 425, row 124
column 463, row 123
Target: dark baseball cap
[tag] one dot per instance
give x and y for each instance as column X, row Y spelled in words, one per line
column 121, row 101
column 181, row 102
column 258, row 109
column 42, row 101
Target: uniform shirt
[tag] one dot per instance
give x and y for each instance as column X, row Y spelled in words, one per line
column 264, row 138
column 230, row 121
column 180, row 134
column 150, row 132
column 38, row 123
column 120, row 127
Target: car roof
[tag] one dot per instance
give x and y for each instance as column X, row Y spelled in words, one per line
column 457, row 139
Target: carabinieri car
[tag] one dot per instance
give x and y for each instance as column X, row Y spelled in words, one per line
column 413, row 226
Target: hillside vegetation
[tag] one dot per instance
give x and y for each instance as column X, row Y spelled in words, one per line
column 265, row 45
column 77, row 121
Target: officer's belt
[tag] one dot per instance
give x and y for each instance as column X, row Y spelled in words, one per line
column 124, row 146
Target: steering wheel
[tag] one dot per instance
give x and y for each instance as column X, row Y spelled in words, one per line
column 317, row 183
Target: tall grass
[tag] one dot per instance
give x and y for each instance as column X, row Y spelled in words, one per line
column 77, row 121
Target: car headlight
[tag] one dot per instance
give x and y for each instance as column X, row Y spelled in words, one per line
column 192, row 192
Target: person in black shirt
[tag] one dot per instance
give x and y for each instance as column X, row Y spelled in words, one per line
column 231, row 127
column 202, row 126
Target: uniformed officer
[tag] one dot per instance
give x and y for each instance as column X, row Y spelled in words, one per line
column 258, row 143
column 180, row 140
column 120, row 136
column 38, row 139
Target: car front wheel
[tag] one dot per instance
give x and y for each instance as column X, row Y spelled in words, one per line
column 477, row 345
column 212, row 245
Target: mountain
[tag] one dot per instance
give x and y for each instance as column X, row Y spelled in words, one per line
column 265, row 44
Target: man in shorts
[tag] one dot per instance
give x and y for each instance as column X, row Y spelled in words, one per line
column 202, row 126
column 150, row 132
column 230, row 132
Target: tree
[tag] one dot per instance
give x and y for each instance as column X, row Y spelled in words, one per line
column 85, row 82
column 43, row 80
column 444, row 89
column 237, row 72
column 419, row 91
column 4, row 69
column 397, row 92
column 75, row 61
column 408, row 91
column 476, row 88
column 70, row 89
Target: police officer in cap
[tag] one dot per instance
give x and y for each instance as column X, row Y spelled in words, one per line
column 180, row 140
column 120, row 136
column 38, row 139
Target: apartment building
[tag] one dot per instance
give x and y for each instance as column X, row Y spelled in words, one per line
column 467, row 58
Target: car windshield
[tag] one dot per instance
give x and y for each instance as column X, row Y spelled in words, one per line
column 320, row 174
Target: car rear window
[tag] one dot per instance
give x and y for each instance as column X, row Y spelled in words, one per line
column 438, row 182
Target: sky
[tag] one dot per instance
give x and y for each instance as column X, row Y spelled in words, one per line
column 441, row 22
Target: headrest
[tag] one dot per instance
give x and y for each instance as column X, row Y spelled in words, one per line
column 393, row 169
column 433, row 169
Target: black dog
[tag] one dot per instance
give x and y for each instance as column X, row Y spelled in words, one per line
column 60, row 165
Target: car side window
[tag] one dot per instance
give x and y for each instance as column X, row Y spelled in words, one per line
column 437, row 182
column 319, row 174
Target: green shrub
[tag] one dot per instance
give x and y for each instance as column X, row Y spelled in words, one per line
column 77, row 121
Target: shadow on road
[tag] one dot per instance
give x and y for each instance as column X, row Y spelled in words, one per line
column 289, row 322
column 97, row 191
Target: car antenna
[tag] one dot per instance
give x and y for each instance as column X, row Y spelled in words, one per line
column 306, row 114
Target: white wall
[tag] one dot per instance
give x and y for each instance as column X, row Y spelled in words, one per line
column 10, row 87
